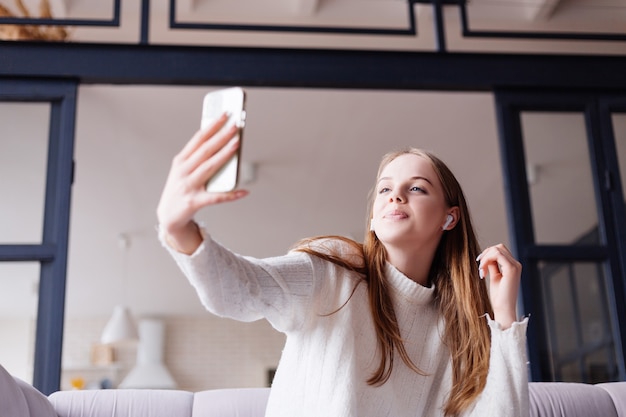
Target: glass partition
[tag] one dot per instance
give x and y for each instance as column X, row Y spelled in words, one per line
column 23, row 153
column 19, row 286
column 560, row 180
column 578, row 322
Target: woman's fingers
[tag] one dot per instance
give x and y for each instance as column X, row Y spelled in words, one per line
column 185, row 192
column 504, row 278
column 494, row 271
column 215, row 198
column 498, row 261
column 202, row 136
column 210, row 158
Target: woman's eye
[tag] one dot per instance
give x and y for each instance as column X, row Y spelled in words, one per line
column 416, row 188
column 383, row 190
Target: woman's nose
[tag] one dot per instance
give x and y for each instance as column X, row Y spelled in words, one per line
column 396, row 197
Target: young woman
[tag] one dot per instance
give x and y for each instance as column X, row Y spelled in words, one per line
column 400, row 325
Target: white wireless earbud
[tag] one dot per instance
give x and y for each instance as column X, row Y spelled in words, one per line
column 449, row 220
column 372, row 225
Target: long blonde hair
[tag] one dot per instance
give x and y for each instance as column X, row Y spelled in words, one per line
column 460, row 295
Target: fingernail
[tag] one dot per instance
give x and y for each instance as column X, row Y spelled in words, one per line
column 478, row 257
column 233, row 142
column 239, row 193
column 481, row 273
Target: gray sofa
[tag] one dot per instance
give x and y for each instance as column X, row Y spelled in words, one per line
column 18, row 399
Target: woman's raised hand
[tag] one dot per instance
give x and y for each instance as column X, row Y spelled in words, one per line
column 504, row 280
column 185, row 191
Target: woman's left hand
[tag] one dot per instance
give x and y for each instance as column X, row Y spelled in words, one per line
column 504, row 280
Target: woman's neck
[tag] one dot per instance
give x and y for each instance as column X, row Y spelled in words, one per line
column 414, row 264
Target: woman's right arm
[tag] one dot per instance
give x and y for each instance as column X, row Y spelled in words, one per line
column 185, row 192
column 243, row 288
column 228, row 284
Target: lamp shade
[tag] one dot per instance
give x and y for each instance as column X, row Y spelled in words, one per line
column 120, row 327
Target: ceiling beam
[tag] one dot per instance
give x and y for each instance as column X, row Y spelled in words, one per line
column 541, row 10
column 186, row 6
column 59, row 8
column 297, row 7
column 309, row 68
column 304, row 7
column 528, row 10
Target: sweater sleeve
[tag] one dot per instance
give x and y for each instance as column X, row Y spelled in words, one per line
column 244, row 288
column 506, row 390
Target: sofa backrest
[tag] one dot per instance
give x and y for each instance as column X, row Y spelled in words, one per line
column 617, row 391
column 19, row 399
column 568, row 399
column 547, row 399
column 122, row 403
column 241, row 402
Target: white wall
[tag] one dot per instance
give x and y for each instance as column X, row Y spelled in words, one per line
column 200, row 352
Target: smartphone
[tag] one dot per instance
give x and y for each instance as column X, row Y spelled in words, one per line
column 233, row 101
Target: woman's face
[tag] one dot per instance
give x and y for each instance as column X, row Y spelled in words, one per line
column 409, row 205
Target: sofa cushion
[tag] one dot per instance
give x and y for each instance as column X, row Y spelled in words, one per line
column 19, row 399
column 568, row 399
column 240, row 402
column 122, row 403
column 617, row 391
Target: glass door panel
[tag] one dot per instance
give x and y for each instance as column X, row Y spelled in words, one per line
column 36, row 166
column 578, row 322
column 568, row 228
column 560, row 181
column 19, row 289
column 23, row 154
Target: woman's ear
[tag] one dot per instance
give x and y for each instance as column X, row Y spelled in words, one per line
column 451, row 219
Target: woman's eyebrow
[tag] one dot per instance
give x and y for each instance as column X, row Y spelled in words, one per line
column 417, row 177
column 422, row 178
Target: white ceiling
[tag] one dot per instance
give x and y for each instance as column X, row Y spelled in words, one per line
column 515, row 9
column 606, row 16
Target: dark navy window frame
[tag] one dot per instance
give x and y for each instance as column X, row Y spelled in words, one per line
column 596, row 108
column 51, row 252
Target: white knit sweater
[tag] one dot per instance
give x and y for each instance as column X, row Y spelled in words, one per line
column 328, row 357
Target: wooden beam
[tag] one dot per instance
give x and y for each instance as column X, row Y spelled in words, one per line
column 186, row 6
column 304, row 7
column 59, row 8
column 541, row 10
column 529, row 10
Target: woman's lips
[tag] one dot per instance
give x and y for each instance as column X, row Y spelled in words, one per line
column 396, row 215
